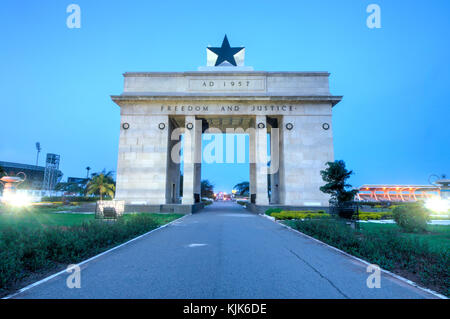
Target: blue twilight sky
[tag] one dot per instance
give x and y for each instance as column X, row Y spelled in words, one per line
column 391, row 127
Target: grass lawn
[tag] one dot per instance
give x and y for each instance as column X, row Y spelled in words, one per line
column 438, row 236
column 34, row 219
column 47, row 216
column 36, row 240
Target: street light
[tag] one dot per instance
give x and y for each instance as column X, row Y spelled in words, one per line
column 38, row 149
column 87, row 169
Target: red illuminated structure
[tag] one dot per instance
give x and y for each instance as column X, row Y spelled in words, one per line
column 397, row 193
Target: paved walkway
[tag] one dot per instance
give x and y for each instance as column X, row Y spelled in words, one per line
column 223, row 252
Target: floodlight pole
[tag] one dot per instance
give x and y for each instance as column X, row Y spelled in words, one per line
column 38, row 148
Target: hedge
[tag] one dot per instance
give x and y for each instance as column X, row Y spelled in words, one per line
column 70, row 198
column 273, row 210
column 374, row 216
column 303, row 214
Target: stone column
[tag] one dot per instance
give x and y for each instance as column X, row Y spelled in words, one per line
column 261, row 160
column 275, row 159
column 173, row 164
column 198, row 175
column 142, row 159
column 305, row 149
column 192, row 160
column 252, row 160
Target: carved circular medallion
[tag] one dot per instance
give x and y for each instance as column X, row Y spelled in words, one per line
column 189, row 126
column 325, row 126
column 289, row 126
column 125, row 126
column 162, row 126
column 261, row 125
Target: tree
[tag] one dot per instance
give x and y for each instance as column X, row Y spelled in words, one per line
column 2, row 171
column 242, row 189
column 69, row 187
column 335, row 176
column 207, row 189
column 102, row 183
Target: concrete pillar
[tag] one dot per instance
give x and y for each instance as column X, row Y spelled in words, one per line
column 275, row 157
column 192, row 160
column 173, row 164
column 262, row 197
column 252, row 160
column 142, row 159
column 305, row 149
column 198, row 178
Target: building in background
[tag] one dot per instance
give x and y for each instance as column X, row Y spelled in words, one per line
column 77, row 180
column 40, row 180
column 397, row 193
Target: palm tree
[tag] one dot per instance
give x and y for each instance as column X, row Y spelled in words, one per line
column 242, row 189
column 102, row 183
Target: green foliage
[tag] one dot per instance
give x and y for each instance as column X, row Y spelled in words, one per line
column 273, row 210
column 70, row 188
column 242, row 202
column 207, row 189
column 374, row 215
column 101, row 183
column 387, row 248
column 437, row 236
column 376, row 204
column 335, row 176
column 28, row 248
column 206, row 201
column 412, row 217
column 242, row 189
column 300, row 215
column 2, row 171
column 71, row 198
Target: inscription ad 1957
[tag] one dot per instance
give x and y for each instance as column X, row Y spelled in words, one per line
column 237, row 84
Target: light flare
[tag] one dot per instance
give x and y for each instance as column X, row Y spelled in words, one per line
column 438, row 205
column 17, row 200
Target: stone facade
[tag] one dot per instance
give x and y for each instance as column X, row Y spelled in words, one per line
column 295, row 108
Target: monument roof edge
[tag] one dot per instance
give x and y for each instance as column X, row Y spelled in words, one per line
column 232, row 73
column 334, row 99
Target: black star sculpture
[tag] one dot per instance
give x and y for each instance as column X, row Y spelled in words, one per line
column 226, row 53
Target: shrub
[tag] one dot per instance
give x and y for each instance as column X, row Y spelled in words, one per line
column 300, row 215
column 27, row 249
column 346, row 212
column 411, row 218
column 273, row 210
column 207, row 201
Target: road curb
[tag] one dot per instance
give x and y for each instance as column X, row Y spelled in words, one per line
column 410, row 282
column 37, row 283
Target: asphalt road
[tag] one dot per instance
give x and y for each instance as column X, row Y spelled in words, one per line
column 224, row 252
